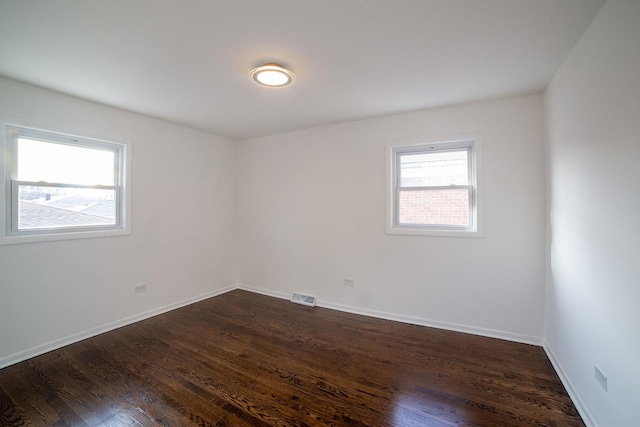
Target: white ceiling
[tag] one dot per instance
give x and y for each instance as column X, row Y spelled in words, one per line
column 188, row 61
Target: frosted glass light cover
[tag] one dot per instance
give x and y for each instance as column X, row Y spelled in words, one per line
column 272, row 75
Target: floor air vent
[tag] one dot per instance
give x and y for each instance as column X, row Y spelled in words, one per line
column 304, row 299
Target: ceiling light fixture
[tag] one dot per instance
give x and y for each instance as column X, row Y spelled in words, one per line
column 272, row 75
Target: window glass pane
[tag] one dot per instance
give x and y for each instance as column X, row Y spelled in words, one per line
column 54, row 207
column 434, row 169
column 61, row 163
column 434, row 207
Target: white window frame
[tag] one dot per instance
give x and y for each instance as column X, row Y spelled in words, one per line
column 9, row 232
column 394, row 150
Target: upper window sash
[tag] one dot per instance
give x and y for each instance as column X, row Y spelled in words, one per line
column 15, row 133
column 406, row 151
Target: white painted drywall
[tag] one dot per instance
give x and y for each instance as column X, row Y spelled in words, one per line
column 593, row 288
column 311, row 213
column 182, row 246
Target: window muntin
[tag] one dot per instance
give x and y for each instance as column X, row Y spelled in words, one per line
column 62, row 186
column 433, row 188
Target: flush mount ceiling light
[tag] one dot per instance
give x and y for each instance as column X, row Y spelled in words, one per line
column 272, row 75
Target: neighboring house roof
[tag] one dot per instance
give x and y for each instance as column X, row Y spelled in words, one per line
column 36, row 215
column 103, row 208
column 100, row 207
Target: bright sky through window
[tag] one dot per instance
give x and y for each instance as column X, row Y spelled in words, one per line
column 62, row 163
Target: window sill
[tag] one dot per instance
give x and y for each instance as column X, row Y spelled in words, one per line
column 416, row 231
column 51, row 237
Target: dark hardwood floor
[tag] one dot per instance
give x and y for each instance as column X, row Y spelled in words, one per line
column 242, row 359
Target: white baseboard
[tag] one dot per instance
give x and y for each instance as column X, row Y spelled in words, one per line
column 266, row 292
column 485, row 332
column 56, row 344
column 53, row 345
column 568, row 385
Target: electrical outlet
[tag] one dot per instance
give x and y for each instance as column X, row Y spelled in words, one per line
column 140, row 288
column 349, row 282
column 601, row 378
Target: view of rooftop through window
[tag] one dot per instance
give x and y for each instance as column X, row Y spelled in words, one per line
column 53, row 185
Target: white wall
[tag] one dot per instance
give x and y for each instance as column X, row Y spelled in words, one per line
column 593, row 288
column 312, row 212
column 182, row 246
column 309, row 207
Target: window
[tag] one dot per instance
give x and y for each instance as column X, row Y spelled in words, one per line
column 59, row 186
column 432, row 188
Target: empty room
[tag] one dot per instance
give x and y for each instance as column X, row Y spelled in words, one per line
column 320, row 213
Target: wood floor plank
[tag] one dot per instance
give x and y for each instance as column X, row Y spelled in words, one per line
column 181, row 377
column 242, row 359
column 21, row 402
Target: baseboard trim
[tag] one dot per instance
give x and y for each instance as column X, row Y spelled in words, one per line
column 266, row 292
column 491, row 333
column 62, row 342
column 474, row 330
column 568, row 385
